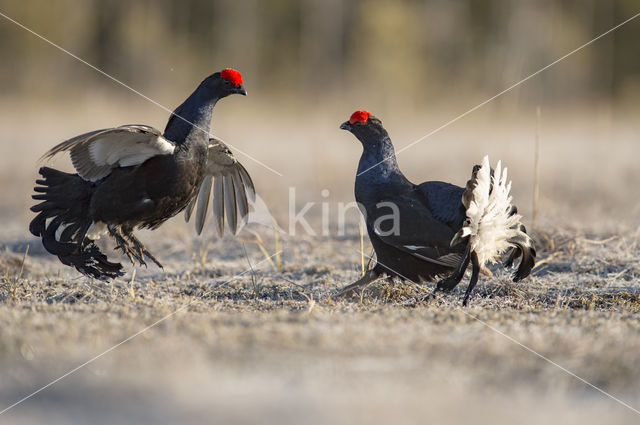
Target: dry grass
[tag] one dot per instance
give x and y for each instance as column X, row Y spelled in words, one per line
column 273, row 346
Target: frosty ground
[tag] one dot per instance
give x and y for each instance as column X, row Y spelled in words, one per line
column 273, row 345
column 232, row 338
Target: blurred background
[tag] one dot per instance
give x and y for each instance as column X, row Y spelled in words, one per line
column 307, row 64
column 258, row 348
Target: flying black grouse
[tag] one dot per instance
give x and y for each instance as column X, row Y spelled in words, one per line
column 134, row 176
column 420, row 232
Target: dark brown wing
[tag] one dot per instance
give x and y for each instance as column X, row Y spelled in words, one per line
column 232, row 190
column 95, row 154
column 417, row 231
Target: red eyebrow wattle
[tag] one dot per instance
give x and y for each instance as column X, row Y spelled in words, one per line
column 232, row 76
column 359, row 116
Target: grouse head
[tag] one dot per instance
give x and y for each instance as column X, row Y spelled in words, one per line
column 223, row 83
column 367, row 128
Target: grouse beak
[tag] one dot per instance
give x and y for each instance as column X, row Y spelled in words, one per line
column 241, row 90
column 345, row 126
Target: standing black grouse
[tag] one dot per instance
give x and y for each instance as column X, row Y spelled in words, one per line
column 420, row 232
column 134, row 176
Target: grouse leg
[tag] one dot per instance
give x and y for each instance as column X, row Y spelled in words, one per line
column 450, row 282
column 136, row 247
column 368, row 278
column 123, row 245
column 142, row 251
column 475, row 271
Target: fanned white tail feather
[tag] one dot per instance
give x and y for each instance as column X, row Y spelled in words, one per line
column 491, row 224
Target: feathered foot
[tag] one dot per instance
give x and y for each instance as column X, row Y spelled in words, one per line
column 141, row 250
column 123, row 245
column 368, row 278
column 131, row 246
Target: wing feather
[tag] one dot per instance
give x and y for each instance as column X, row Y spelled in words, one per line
column 203, row 203
column 230, row 204
column 241, row 195
column 423, row 236
column 95, row 154
column 247, row 182
column 429, row 254
column 218, row 204
column 445, row 201
column 189, row 209
column 232, row 189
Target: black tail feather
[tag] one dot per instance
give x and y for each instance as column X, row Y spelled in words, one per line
column 528, row 252
column 524, row 248
column 66, row 198
column 527, row 263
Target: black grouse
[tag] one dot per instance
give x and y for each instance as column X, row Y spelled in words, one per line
column 134, row 176
column 420, row 232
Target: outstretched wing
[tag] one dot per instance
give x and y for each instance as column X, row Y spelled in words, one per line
column 94, row 155
column 231, row 184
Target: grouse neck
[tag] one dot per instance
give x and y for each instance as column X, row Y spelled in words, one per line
column 191, row 121
column 379, row 161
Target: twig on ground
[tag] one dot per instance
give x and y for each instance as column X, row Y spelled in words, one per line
column 536, row 171
column 597, row 242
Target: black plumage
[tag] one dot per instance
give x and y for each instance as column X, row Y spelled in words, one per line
column 416, row 230
column 130, row 177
